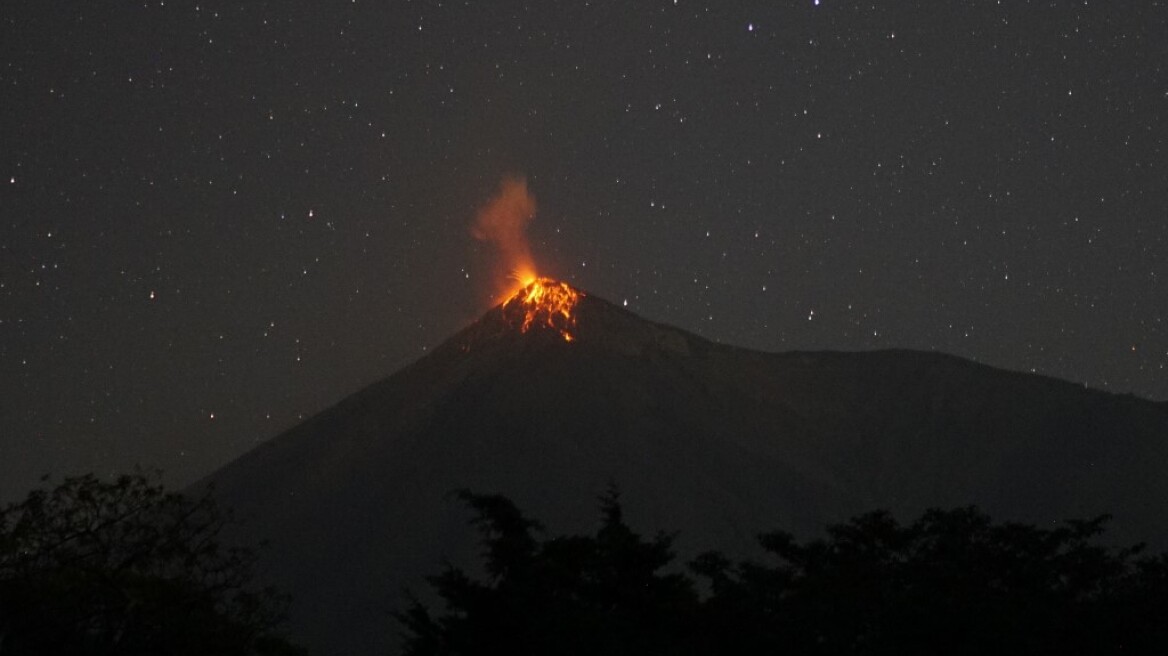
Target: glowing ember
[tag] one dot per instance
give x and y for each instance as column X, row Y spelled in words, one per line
column 544, row 303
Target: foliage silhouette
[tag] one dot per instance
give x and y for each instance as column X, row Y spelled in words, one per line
column 602, row 594
column 98, row 568
column 951, row 582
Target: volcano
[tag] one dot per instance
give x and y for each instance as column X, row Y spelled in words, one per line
column 551, row 403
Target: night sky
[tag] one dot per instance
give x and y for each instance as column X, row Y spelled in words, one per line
column 217, row 219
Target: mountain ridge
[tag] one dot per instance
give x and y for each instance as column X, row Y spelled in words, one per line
column 714, row 441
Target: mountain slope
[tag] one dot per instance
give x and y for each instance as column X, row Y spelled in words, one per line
column 714, row 441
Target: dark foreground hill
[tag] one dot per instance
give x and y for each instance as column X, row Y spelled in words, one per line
column 716, row 442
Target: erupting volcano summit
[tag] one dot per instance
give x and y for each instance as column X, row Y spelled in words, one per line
column 544, row 302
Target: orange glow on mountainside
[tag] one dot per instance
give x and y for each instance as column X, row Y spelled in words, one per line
column 544, row 303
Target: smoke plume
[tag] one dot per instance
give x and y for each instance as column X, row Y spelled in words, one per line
column 503, row 222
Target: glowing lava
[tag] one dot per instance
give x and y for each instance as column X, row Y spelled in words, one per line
column 544, row 303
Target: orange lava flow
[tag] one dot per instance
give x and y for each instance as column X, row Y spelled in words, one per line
column 544, row 303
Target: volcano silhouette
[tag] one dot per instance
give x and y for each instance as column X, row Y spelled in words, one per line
column 715, row 442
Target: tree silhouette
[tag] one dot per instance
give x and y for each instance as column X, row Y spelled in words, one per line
column 126, row 568
column 952, row 582
column 602, row 594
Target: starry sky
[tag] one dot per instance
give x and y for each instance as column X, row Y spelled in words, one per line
column 218, row 218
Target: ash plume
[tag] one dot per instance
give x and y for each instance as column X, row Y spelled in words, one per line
column 503, row 222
